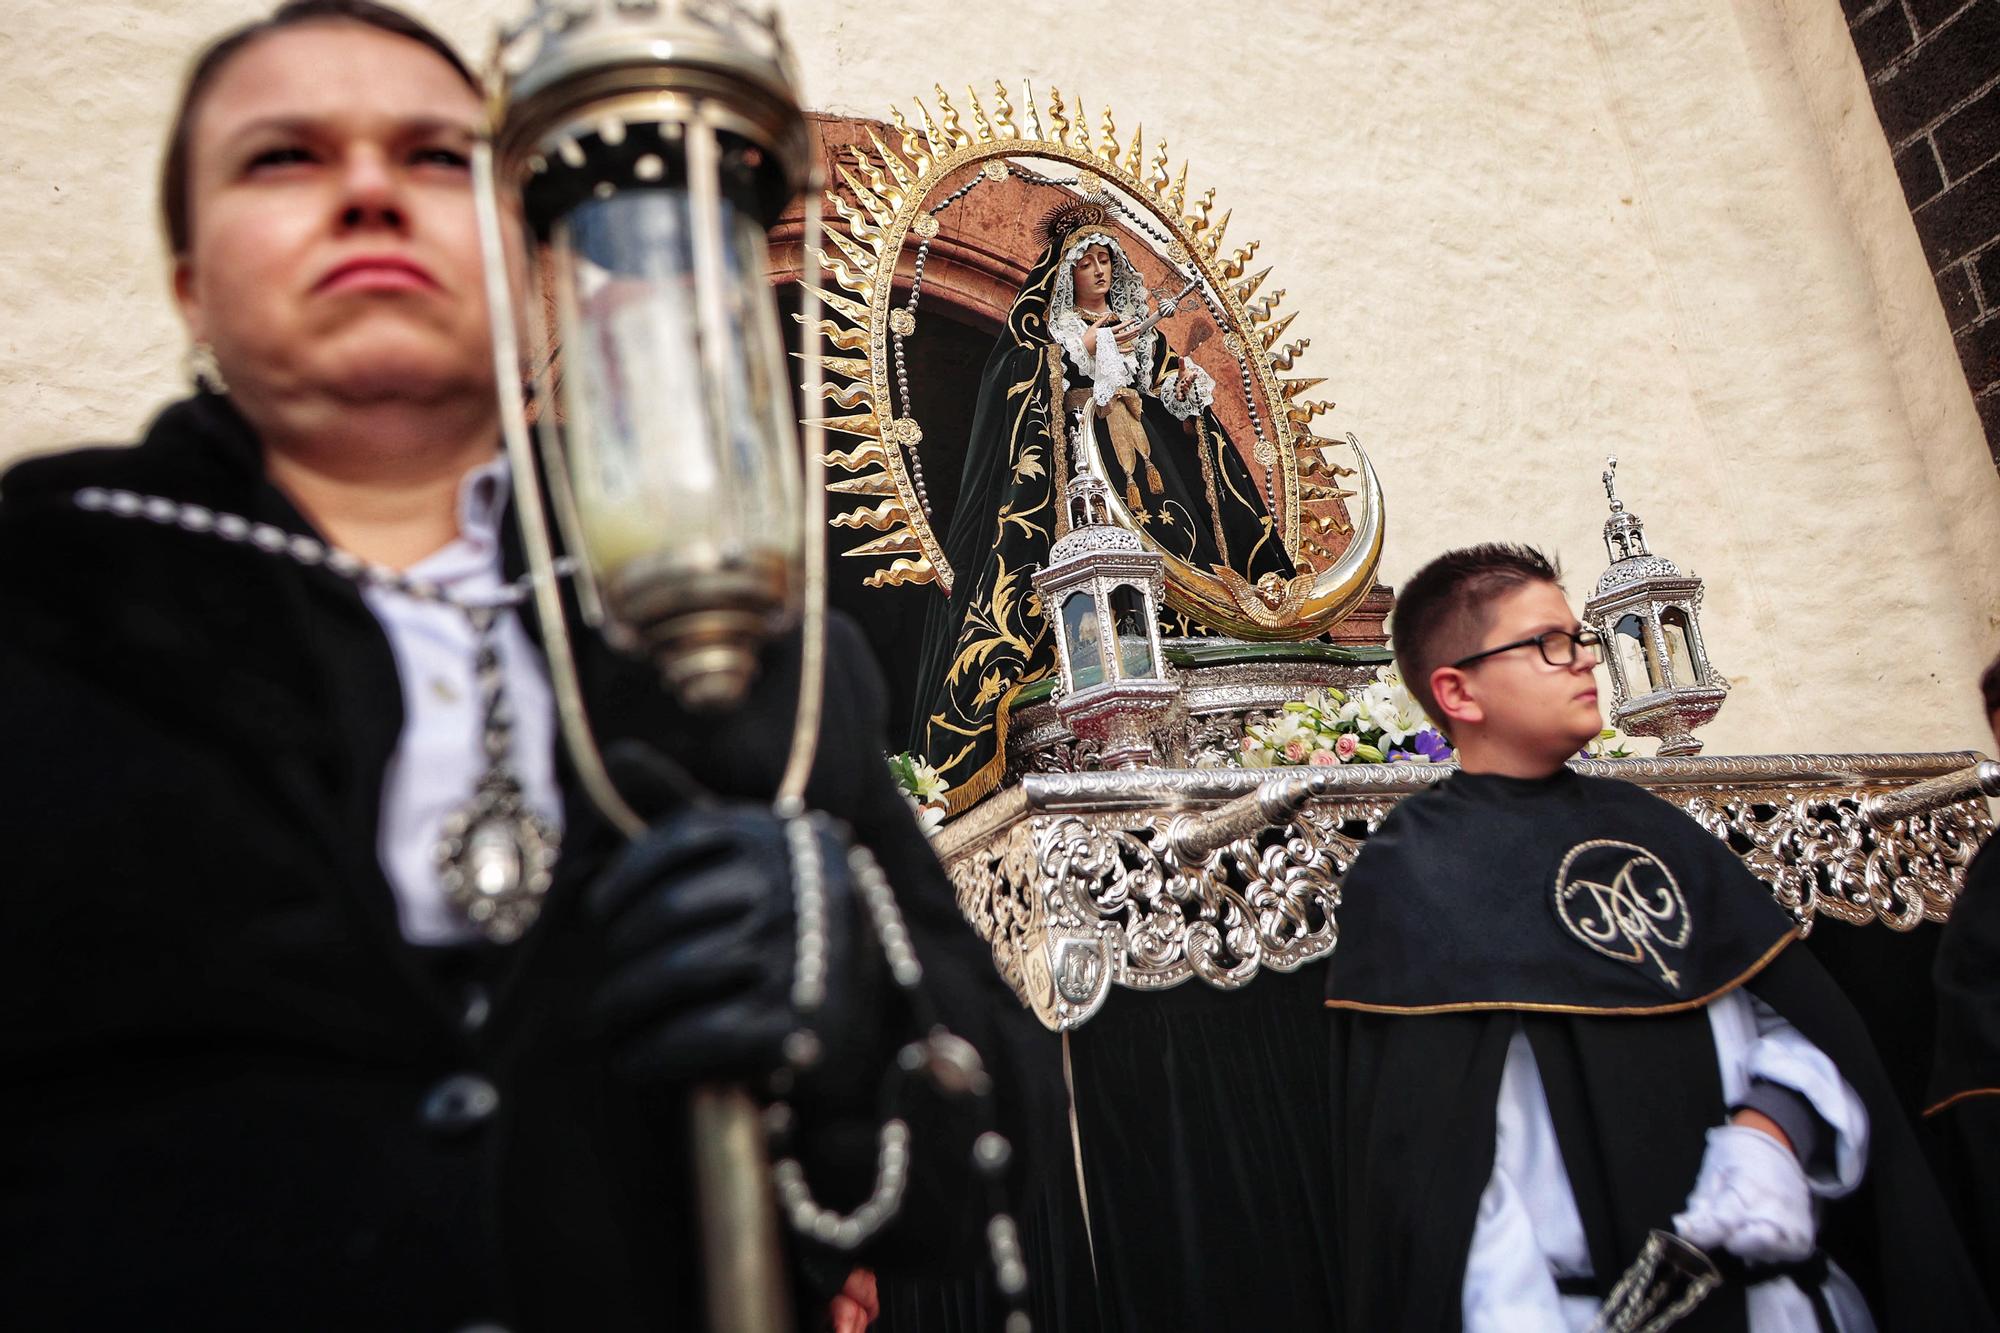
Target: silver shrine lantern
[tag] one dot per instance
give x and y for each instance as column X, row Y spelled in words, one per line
column 649, row 145
column 1649, row 614
column 1101, row 592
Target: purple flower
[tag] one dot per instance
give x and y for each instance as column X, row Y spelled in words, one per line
column 1426, row 747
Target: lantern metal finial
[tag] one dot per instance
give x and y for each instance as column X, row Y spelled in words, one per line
column 1649, row 614
column 1101, row 592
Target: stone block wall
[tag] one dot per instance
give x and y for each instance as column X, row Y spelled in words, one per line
column 1934, row 71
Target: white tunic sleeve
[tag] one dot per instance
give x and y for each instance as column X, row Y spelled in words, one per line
column 1527, row 1229
column 1753, row 1041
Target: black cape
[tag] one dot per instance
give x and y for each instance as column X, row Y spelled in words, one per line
column 216, row 1049
column 1490, row 902
column 1963, row 1112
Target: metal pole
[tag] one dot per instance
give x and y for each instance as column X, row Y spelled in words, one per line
column 1982, row 778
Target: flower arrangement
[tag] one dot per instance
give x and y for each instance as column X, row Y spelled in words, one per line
column 921, row 787
column 1379, row 723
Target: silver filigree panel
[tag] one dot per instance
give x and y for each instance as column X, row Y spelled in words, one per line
column 1073, row 880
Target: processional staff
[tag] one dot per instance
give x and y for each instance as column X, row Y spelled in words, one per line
column 645, row 148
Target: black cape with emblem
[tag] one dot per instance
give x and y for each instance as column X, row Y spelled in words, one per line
column 1963, row 1112
column 219, row 1057
column 990, row 636
column 1483, row 904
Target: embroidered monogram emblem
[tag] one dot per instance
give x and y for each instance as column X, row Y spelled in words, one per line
column 1621, row 900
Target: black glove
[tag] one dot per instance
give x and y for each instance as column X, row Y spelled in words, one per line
column 700, row 937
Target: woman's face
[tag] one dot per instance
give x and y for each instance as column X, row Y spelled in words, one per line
column 1093, row 277
column 334, row 250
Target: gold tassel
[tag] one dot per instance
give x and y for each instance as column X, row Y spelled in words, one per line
column 1132, row 499
column 1153, row 477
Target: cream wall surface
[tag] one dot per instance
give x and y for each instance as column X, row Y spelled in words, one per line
column 1520, row 237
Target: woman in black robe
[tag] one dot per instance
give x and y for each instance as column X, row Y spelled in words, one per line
column 1072, row 357
column 261, row 1073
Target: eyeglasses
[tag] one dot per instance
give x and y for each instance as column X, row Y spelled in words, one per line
column 1558, row 647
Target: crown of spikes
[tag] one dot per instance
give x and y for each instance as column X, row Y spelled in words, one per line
column 1065, row 220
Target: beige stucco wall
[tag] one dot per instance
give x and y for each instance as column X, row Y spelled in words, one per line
column 1522, row 236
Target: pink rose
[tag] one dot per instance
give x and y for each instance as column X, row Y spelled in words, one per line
column 1344, row 747
column 1295, row 750
column 1322, row 759
column 1248, row 745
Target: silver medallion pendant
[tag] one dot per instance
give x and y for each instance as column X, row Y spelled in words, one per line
column 496, row 858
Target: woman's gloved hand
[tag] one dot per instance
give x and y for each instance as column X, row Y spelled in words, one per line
column 701, row 944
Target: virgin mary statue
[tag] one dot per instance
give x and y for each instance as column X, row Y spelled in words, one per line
column 1073, row 359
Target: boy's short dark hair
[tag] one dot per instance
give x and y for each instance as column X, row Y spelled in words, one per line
column 1444, row 610
column 1989, row 688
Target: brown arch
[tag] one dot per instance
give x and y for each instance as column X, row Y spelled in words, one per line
column 973, row 282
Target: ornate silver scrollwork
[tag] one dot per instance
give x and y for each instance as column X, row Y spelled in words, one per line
column 1074, row 878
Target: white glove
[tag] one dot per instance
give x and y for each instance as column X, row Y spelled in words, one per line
column 1750, row 1198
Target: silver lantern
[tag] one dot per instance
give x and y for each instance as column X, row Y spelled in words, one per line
column 648, row 148
column 1649, row 613
column 640, row 152
column 1101, row 592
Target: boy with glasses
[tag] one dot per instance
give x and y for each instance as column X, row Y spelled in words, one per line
column 1565, row 1015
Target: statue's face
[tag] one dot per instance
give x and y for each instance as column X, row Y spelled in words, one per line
column 1092, row 272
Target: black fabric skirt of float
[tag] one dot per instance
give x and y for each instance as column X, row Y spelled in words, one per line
column 1061, row 1298
column 1202, row 1116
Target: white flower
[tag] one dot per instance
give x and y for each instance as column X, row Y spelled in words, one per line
column 918, row 779
column 1286, row 728
column 1391, row 724
column 1390, row 708
column 922, row 787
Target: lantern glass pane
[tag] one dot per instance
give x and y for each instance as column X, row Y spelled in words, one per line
column 660, row 454
column 1680, row 658
column 1080, row 631
column 1135, row 640
column 1635, row 656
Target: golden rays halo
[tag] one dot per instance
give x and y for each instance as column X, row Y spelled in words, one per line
column 884, row 193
